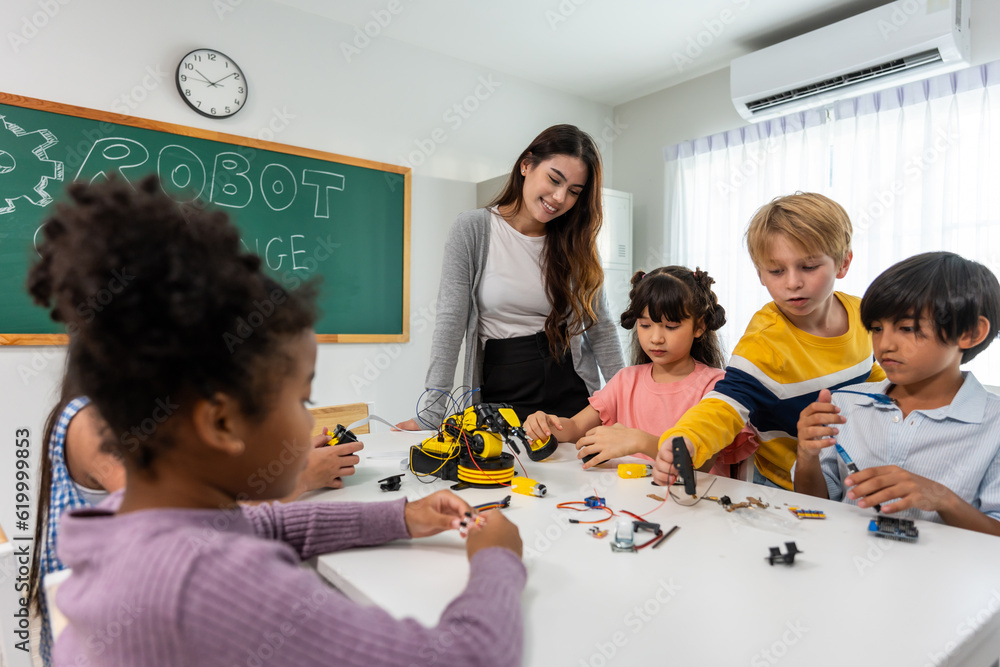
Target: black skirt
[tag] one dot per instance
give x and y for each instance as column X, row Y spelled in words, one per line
column 522, row 372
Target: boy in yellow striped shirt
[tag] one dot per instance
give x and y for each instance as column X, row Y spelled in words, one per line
column 808, row 338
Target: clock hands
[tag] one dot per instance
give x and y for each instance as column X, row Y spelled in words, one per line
column 225, row 77
column 214, row 84
column 205, row 78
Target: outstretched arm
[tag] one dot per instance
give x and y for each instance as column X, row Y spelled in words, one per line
column 881, row 484
column 539, row 425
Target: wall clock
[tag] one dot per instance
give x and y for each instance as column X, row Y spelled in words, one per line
column 211, row 83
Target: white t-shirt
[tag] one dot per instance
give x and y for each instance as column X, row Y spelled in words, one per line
column 92, row 496
column 512, row 300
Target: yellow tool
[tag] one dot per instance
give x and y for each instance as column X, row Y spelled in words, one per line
column 527, row 487
column 634, row 470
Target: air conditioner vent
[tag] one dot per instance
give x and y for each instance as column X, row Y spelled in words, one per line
column 849, row 79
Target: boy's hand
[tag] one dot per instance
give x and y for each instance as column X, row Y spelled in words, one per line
column 440, row 511
column 881, row 484
column 611, row 442
column 815, row 425
column 538, row 425
column 664, row 472
column 494, row 530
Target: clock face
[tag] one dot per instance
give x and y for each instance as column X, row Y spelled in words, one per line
column 211, row 83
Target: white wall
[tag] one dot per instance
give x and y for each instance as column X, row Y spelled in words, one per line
column 383, row 105
column 702, row 107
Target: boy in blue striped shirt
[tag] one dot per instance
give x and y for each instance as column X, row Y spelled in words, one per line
column 927, row 439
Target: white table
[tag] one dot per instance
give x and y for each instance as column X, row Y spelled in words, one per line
column 707, row 595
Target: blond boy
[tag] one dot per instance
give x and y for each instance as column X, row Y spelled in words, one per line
column 808, row 338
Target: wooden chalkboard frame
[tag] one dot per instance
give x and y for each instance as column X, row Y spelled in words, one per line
column 236, row 140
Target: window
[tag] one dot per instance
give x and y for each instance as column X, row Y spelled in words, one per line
column 917, row 168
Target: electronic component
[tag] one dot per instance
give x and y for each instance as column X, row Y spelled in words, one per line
column 648, row 526
column 663, row 538
column 341, row 435
column 851, row 465
column 390, row 483
column 624, row 539
column 634, row 470
column 498, row 505
column 527, row 487
column 807, row 514
column 594, row 502
column 625, row 532
column 787, row 558
column 685, row 468
column 586, row 459
column 597, row 532
column 893, row 528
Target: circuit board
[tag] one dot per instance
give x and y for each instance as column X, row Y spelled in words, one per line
column 892, row 528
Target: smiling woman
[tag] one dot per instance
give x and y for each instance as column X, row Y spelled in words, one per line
column 522, row 285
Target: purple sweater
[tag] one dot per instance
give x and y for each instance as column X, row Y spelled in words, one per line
column 226, row 587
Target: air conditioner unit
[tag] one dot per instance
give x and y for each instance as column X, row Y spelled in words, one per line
column 888, row 46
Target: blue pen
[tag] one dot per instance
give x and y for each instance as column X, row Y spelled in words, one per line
column 878, row 398
column 851, row 465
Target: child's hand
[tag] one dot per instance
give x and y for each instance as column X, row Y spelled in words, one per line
column 611, row 442
column 328, row 465
column 538, row 426
column 664, row 472
column 494, row 530
column 815, row 425
column 881, row 484
column 440, row 511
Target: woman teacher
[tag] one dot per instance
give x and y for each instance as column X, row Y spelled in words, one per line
column 522, row 285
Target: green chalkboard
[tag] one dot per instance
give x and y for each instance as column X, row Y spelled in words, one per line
column 305, row 212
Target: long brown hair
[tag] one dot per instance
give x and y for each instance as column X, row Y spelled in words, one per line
column 570, row 265
column 674, row 293
column 70, row 390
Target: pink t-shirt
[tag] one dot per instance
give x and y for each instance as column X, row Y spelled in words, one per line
column 634, row 400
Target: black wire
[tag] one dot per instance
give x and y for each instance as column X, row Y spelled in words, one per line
column 670, row 491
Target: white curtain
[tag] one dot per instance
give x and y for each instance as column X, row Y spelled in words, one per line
column 917, row 168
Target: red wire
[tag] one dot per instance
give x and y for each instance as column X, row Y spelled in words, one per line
column 465, row 436
column 566, row 506
column 657, row 507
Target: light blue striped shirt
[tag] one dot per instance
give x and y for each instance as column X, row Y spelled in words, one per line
column 957, row 445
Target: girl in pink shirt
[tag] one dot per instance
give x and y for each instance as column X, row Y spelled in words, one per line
column 677, row 360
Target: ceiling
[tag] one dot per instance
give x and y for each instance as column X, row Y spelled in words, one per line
column 606, row 51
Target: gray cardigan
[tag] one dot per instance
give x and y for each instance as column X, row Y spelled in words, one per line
column 465, row 256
